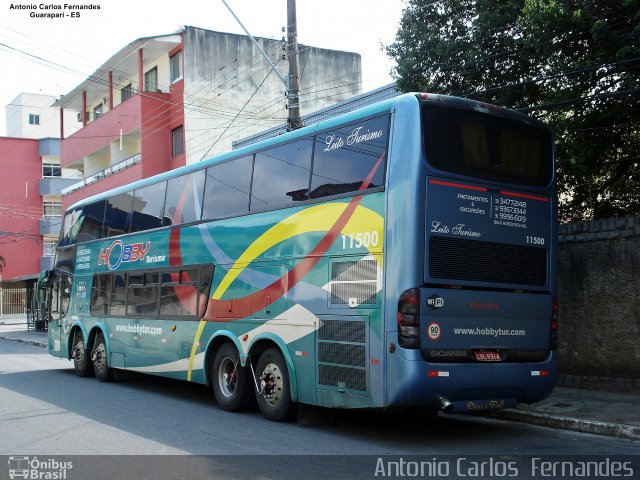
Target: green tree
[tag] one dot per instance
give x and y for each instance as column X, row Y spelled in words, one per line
column 2, row 263
column 574, row 64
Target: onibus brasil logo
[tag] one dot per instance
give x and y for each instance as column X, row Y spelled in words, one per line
column 118, row 253
column 34, row 468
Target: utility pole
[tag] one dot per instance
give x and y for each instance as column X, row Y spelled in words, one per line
column 294, row 120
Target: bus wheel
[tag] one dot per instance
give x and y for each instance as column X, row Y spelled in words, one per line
column 81, row 363
column 99, row 358
column 274, row 395
column 230, row 381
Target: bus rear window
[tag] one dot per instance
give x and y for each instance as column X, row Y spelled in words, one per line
column 486, row 146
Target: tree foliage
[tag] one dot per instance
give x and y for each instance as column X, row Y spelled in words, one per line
column 2, row 263
column 574, row 64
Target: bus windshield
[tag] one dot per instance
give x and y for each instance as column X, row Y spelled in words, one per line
column 486, row 146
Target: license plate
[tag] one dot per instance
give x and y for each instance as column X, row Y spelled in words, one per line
column 487, row 356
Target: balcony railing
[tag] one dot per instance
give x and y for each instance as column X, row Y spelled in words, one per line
column 103, row 173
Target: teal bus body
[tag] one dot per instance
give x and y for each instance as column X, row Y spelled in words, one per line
column 368, row 288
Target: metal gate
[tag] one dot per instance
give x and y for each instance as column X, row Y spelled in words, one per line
column 13, row 305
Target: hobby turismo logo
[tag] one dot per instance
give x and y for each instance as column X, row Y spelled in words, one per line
column 118, row 253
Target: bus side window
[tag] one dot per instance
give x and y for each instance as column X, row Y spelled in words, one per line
column 118, row 295
column 117, row 215
column 227, row 188
column 204, row 287
column 65, row 294
column 179, row 294
column 345, row 157
column 99, row 293
column 148, row 207
column 183, row 202
column 91, row 221
column 281, row 175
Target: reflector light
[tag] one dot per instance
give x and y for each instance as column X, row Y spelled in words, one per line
column 436, row 373
column 539, row 373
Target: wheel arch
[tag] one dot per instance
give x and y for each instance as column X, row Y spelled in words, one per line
column 267, row 340
column 76, row 326
column 101, row 328
column 215, row 342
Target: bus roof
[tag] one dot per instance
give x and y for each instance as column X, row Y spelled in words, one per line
column 366, row 111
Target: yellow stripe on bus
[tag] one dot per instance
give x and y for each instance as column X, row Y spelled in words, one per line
column 319, row 218
column 194, row 347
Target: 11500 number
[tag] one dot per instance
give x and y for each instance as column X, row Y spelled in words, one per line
column 535, row 240
column 361, row 239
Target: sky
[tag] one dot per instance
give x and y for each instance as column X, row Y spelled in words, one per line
column 78, row 46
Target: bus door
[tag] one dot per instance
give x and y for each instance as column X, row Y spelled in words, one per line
column 56, row 303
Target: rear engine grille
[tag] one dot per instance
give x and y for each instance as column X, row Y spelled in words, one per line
column 342, row 355
column 478, row 261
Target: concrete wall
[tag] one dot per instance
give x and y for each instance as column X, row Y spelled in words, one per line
column 223, row 71
column 599, row 297
column 17, row 113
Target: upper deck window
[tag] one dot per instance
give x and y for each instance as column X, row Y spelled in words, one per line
column 281, row 175
column 487, row 146
column 345, row 157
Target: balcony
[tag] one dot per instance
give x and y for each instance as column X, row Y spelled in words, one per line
column 54, row 185
column 129, row 162
column 122, row 119
column 50, row 225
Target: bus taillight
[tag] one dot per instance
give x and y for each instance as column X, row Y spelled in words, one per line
column 409, row 318
column 554, row 325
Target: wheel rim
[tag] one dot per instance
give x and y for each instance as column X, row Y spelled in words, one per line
column 100, row 358
column 272, row 384
column 79, row 355
column 227, row 377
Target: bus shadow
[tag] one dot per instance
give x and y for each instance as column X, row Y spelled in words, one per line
column 185, row 417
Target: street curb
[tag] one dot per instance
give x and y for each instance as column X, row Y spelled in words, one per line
column 596, row 427
column 35, row 343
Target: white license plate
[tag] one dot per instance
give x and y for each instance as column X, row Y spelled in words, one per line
column 487, row 356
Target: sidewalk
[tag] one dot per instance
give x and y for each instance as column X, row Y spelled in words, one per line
column 588, row 411
column 19, row 333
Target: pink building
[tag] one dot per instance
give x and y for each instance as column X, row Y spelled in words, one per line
column 30, row 218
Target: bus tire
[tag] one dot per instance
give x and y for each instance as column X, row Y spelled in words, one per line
column 274, row 397
column 230, row 381
column 81, row 363
column 101, row 368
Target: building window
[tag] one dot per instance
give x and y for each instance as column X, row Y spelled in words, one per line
column 51, row 170
column 177, row 141
column 97, row 112
column 51, row 209
column 175, row 67
column 151, row 80
column 49, row 249
column 34, row 119
column 126, row 93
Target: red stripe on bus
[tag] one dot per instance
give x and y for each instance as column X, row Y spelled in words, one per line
column 522, row 195
column 245, row 306
column 457, row 185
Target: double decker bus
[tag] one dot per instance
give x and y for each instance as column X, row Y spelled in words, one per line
column 401, row 255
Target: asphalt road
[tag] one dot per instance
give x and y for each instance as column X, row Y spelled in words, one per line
column 46, row 410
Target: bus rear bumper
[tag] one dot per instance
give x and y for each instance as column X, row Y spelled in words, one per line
column 469, row 387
